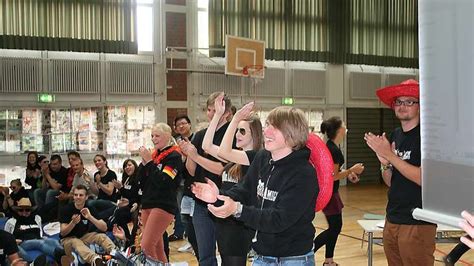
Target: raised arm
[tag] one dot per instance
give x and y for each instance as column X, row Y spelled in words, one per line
column 207, row 145
column 225, row 149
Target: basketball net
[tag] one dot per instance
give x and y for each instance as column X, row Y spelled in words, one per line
column 256, row 74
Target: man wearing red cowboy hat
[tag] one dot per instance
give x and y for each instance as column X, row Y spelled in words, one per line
column 406, row 241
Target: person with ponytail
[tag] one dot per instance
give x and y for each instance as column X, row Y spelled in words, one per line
column 160, row 172
column 335, row 130
column 233, row 237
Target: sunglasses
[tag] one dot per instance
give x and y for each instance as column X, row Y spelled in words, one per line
column 242, row 131
column 24, row 210
column 13, row 187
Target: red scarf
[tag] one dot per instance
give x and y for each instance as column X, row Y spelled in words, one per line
column 157, row 157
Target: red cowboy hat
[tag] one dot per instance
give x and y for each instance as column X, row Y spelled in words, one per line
column 409, row 88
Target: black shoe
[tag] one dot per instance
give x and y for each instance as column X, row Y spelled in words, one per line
column 98, row 262
column 174, row 237
column 40, row 260
column 58, row 253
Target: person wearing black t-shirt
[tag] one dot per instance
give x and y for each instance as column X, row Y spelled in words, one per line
column 233, row 237
column 104, row 178
column 405, row 240
column 202, row 165
column 79, row 228
column 8, row 249
column 335, row 131
column 54, row 178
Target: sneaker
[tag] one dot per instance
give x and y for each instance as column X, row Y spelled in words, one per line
column 174, row 237
column 185, row 248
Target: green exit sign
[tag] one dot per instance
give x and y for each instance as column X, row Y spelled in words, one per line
column 287, row 101
column 46, row 98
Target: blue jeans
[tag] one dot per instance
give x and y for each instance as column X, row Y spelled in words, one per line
column 45, row 196
column 302, row 260
column 205, row 235
column 46, row 246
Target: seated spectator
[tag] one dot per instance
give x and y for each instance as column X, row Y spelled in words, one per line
column 54, row 178
column 9, row 252
column 82, row 177
column 18, row 192
column 104, row 178
column 79, row 228
column 33, row 171
column 28, row 231
column 64, row 193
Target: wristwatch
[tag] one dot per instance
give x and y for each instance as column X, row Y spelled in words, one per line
column 385, row 167
column 238, row 211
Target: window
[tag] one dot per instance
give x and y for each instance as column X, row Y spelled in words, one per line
column 145, row 25
column 203, row 26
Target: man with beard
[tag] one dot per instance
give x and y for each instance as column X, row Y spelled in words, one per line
column 406, row 241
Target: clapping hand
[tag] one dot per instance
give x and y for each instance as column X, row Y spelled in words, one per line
column 145, row 154
column 468, row 226
column 86, row 213
column 118, row 232
column 76, row 218
column 244, row 112
column 207, row 192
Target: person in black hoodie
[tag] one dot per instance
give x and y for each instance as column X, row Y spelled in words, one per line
column 277, row 198
column 159, row 176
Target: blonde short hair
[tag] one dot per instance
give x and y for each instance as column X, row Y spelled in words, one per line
column 292, row 123
column 164, row 129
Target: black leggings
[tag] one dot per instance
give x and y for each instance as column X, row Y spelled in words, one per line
column 329, row 236
column 234, row 260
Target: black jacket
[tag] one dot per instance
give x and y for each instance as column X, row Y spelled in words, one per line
column 284, row 219
column 159, row 182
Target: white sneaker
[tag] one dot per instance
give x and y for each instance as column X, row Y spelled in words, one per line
column 185, row 248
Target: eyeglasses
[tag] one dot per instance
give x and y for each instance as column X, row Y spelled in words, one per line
column 242, row 131
column 24, row 210
column 181, row 124
column 405, row 103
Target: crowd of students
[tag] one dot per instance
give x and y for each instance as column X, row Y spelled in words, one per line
column 235, row 183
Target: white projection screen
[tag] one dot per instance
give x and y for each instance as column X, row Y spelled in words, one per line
column 446, row 41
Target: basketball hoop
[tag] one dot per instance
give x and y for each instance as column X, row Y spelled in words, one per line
column 253, row 71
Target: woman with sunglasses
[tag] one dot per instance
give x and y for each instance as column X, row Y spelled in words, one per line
column 11, row 200
column 233, row 237
column 335, row 130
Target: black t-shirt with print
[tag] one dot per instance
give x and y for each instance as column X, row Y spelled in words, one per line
column 337, row 158
column 7, row 246
column 404, row 195
column 83, row 227
column 108, row 177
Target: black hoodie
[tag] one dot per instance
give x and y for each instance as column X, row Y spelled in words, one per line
column 284, row 219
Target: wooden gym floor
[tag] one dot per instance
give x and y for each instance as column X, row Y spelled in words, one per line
column 358, row 200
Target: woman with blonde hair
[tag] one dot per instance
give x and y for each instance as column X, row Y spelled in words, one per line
column 159, row 175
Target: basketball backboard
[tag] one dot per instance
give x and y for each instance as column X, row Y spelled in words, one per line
column 244, row 57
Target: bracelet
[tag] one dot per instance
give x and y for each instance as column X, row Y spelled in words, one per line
column 238, row 211
column 385, row 167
